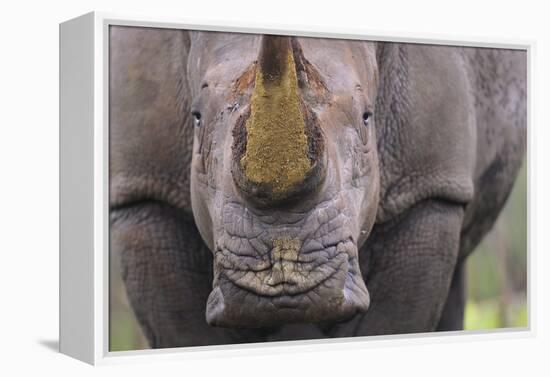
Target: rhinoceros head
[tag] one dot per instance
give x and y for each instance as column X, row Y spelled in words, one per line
column 285, row 177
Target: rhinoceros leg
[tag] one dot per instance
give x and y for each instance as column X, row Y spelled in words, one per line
column 167, row 271
column 452, row 317
column 408, row 264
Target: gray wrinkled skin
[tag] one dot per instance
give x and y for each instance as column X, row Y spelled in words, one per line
column 253, row 286
column 380, row 243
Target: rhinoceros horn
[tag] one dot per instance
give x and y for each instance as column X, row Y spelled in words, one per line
column 284, row 150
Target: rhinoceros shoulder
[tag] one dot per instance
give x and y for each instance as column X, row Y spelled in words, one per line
column 151, row 136
column 499, row 82
column 425, row 127
column 451, row 125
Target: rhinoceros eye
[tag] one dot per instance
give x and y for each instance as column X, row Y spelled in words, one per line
column 196, row 118
column 366, row 117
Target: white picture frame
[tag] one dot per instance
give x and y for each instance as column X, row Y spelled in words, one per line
column 84, row 224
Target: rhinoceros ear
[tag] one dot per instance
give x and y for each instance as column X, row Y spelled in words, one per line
column 151, row 137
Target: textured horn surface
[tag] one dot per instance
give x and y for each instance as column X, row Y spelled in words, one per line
column 277, row 146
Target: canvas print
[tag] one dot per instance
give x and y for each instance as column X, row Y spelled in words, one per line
column 272, row 187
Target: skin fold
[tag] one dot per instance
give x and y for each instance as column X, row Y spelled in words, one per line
column 239, row 220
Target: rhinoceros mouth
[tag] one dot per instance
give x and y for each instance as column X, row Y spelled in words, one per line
column 283, row 271
column 287, row 286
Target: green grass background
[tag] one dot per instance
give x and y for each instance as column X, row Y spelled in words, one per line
column 497, row 269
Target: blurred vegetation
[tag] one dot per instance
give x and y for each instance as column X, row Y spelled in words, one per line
column 496, row 279
column 124, row 331
column 497, row 269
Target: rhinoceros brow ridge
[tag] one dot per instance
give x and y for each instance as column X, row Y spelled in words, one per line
column 277, row 147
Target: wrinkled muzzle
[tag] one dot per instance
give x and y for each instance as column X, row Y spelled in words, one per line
column 290, row 283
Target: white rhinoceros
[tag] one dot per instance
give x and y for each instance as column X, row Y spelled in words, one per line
column 268, row 187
